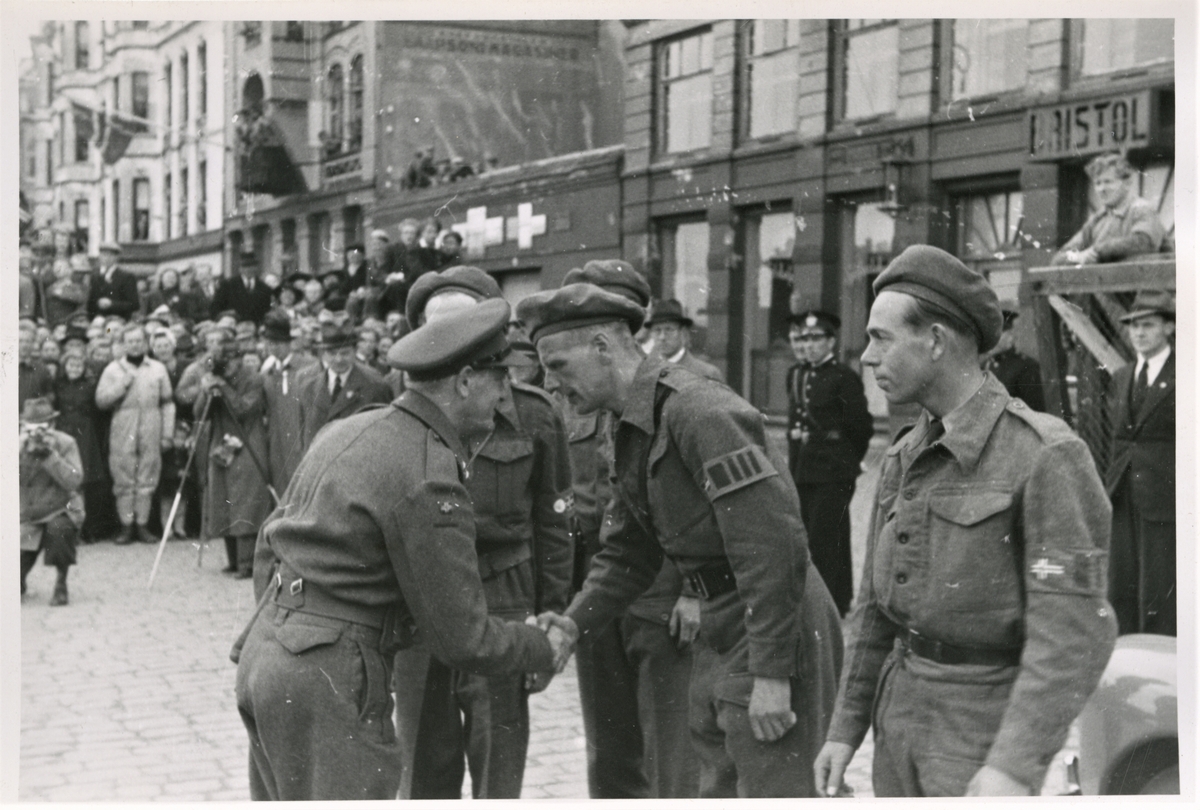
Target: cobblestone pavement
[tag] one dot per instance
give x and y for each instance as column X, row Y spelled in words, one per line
column 127, row 693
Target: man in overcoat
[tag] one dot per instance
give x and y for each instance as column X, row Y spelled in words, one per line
column 1141, row 472
column 338, row 386
column 280, row 372
column 695, row 482
column 112, row 291
column 669, row 326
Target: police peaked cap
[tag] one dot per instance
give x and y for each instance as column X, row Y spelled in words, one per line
column 573, row 306
column 827, row 322
column 469, row 337
column 461, row 278
column 614, row 275
column 942, row 281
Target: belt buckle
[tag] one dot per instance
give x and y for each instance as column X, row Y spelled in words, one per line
column 296, row 587
column 697, row 582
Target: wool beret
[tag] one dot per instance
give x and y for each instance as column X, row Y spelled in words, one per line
column 937, row 278
column 461, row 278
column 576, row 305
column 470, row 337
column 613, row 275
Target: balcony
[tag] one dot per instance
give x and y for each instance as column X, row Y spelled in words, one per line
column 342, row 168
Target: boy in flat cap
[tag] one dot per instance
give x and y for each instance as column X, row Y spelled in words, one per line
column 1141, row 471
column 375, row 542
column 695, row 482
column 520, row 486
column 981, row 625
column 829, row 430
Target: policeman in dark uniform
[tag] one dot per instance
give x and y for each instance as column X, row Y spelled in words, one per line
column 375, row 540
column 829, row 429
column 1020, row 374
column 694, row 481
column 520, row 486
column 634, row 672
column 981, row 625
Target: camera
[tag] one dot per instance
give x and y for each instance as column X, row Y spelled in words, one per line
column 36, row 442
column 217, row 363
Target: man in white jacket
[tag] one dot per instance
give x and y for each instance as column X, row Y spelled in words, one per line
column 138, row 391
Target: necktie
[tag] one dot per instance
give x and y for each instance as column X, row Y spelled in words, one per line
column 1139, row 388
column 337, row 386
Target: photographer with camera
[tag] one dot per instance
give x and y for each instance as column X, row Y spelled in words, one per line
column 51, row 473
column 237, row 499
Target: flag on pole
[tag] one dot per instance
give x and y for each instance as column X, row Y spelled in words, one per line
column 121, row 129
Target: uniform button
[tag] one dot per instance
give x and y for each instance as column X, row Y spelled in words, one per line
column 902, row 539
column 909, row 494
column 901, row 578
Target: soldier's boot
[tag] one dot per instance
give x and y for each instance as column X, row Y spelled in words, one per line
column 60, row 588
column 231, row 556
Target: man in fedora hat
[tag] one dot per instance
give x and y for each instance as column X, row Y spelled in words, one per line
column 51, row 473
column 667, row 324
column 829, row 429
column 339, row 385
column 244, row 293
column 1141, row 471
column 112, row 291
column 280, row 372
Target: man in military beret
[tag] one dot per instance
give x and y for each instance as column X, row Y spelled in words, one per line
column 695, row 481
column 337, row 386
column 1141, row 472
column 668, row 324
column 1020, row 374
column 633, row 673
column 520, row 486
column 375, row 542
column 829, row 430
column 981, row 625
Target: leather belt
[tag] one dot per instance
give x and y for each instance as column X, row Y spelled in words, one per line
column 295, row 593
column 955, row 655
column 713, row 579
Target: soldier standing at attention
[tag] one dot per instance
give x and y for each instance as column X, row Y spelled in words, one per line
column 694, row 481
column 375, row 541
column 829, row 430
column 1020, row 375
column 981, row 625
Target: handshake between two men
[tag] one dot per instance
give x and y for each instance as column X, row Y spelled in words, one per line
column 563, row 635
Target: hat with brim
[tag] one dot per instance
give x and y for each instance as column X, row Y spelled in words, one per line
column 37, row 410
column 277, row 327
column 1151, row 302
column 816, row 320
column 335, row 336
column 473, row 337
column 669, row 311
column 75, row 333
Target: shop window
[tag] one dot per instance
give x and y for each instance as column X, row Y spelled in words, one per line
column 870, row 68
column 81, row 46
column 319, row 240
column 1119, row 44
column 141, row 94
column 990, row 56
column 354, row 120
column 141, row 209
column 685, row 93
column 335, row 95
column 988, row 225
column 287, row 244
column 772, row 76
column 769, row 241
column 684, row 250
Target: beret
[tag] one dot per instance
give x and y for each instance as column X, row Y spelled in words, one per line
column 613, row 275
column 576, row 305
column 817, row 319
column 937, row 278
column 462, row 278
column 469, row 337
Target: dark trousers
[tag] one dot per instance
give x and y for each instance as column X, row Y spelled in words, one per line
column 1141, row 569
column 240, row 552
column 484, row 719
column 57, row 547
column 313, row 694
column 825, row 509
column 100, row 507
column 633, row 685
column 934, row 725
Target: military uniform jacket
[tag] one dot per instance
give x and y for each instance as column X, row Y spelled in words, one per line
column 377, row 515
column 1021, row 376
column 697, row 366
column 693, row 480
column 1143, row 448
column 995, row 536
column 520, row 485
column 829, row 426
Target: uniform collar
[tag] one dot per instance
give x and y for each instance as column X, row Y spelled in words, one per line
column 639, row 401
column 968, row 427
column 424, row 409
column 508, row 409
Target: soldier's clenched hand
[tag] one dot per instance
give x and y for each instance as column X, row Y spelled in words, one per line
column 771, row 712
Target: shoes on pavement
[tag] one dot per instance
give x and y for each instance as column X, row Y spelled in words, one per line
column 143, row 534
column 60, row 595
column 243, row 573
column 127, row 535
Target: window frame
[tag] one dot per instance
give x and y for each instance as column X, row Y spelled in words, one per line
column 354, row 106
column 140, row 213
column 202, row 195
column 945, row 82
column 746, row 61
column 184, row 95
column 82, row 45
column 133, row 94
column 201, row 80
column 840, row 36
column 182, row 212
column 168, row 211
column 662, row 85
column 168, row 94
column 1074, row 71
column 335, row 97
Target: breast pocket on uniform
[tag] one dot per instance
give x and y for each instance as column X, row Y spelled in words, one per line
column 974, row 560
column 501, row 474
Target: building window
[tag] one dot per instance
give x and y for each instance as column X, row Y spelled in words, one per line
column 318, row 240
column 990, row 56
column 294, row 31
column 62, row 139
column 685, row 91
column 81, row 141
column 183, row 91
column 252, row 33
column 988, row 225
column 31, row 167
column 287, row 241
column 335, row 93
column 870, row 68
column 684, row 251
column 50, row 84
column 116, row 93
column 183, row 202
column 202, row 195
column 168, row 93
column 167, row 222
column 1120, row 44
column 202, row 80
column 82, row 225
column 81, row 46
column 140, row 25
column 772, row 76
column 141, row 209
column 49, row 162
column 116, row 210
column 354, row 120
column 141, row 95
